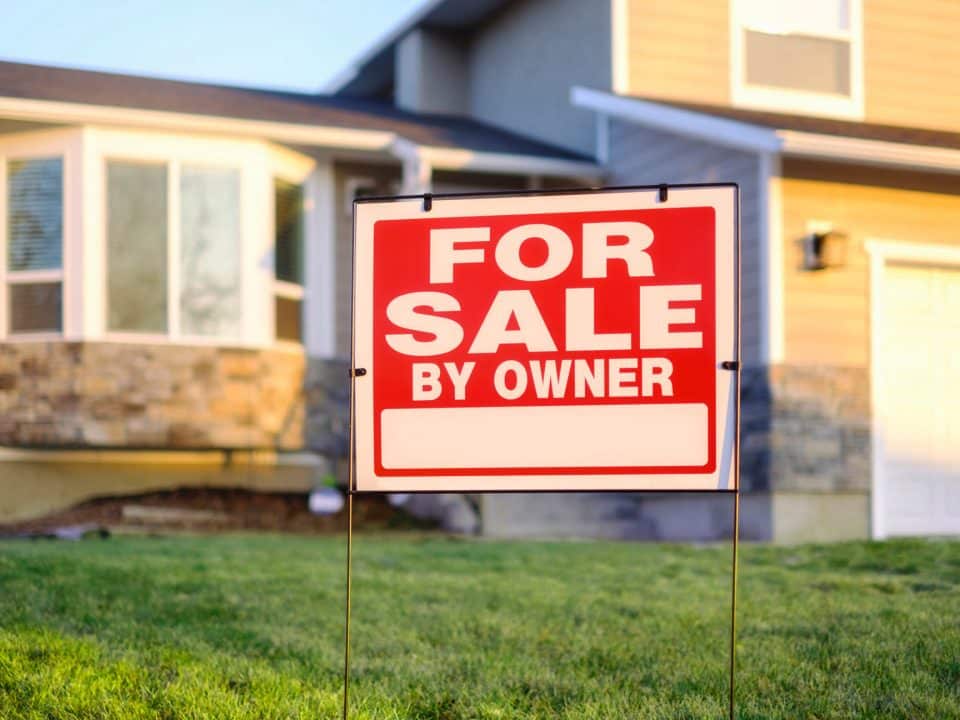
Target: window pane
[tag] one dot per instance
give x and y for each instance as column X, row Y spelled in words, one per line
column 137, row 247
column 798, row 62
column 35, row 307
column 210, row 251
column 289, row 227
column 35, row 214
column 811, row 17
column 288, row 319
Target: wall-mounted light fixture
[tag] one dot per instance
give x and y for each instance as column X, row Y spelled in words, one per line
column 823, row 247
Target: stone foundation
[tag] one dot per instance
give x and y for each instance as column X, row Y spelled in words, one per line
column 119, row 395
column 805, row 429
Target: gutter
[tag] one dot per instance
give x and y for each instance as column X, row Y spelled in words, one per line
column 383, row 141
column 759, row 139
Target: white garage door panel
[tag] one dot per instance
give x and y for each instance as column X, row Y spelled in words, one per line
column 918, row 366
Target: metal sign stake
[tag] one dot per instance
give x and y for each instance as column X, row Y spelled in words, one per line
column 733, row 599
column 346, row 631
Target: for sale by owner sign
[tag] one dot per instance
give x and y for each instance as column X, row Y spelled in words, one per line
column 571, row 341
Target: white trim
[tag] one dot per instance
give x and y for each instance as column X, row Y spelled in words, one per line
column 163, row 457
column 720, row 131
column 758, row 138
column 620, row 46
column 4, row 293
column 80, row 113
column 173, row 248
column 798, row 101
column 350, row 187
column 602, row 150
column 125, row 337
column 38, row 336
column 881, row 253
column 448, row 158
column 417, row 171
column 870, row 152
column 33, row 277
column 297, row 134
column 896, row 251
column 74, row 277
column 289, row 290
column 319, row 312
column 771, row 247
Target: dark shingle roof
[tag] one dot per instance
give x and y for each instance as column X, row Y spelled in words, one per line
column 19, row 80
column 824, row 126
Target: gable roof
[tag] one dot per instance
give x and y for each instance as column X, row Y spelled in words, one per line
column 774, row 132
column 374, row 68
column 79, row 89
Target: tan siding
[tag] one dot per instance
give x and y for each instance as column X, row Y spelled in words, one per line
column 386, row 178
column 912, row 63
column 680, row 50
column 828, row 312
column 639, row 156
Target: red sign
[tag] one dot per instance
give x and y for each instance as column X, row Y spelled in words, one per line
column 546, row 342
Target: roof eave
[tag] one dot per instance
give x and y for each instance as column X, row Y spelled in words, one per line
column 700, row 126
column 321, row 136
column 761, row 139
column 870, row 152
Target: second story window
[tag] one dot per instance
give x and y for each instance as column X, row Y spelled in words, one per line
column 34, row 270
column 288, row 260
column 802, row 57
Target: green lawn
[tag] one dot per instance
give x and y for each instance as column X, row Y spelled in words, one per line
column 251, row 627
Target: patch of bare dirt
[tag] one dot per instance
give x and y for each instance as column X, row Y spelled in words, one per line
column 212, row 510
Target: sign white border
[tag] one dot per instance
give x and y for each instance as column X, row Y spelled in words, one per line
column 723, row 198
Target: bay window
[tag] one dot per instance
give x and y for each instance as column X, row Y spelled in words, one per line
column 34, row 232
column 126, row 236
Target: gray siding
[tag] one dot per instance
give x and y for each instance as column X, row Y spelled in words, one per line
column 639, row 156
column 385, row 182
column 431, row 73
column 524, row 62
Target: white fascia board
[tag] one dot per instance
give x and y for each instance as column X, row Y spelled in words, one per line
column 870, row 152
column 79, row 113
column 508, row 163
column 697, row 125
column 755, row 138
column 893, row 250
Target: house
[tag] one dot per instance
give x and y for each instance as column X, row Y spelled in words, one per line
column 176, row 255
column 838, row 119
column 176, row 273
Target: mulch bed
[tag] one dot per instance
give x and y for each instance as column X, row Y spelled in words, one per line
column 212, row 510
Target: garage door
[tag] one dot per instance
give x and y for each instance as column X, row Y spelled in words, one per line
column 917, row 366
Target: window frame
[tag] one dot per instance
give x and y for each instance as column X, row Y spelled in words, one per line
column 174, row 333
column 41, row 145
column 288, row 167
column 802, row 102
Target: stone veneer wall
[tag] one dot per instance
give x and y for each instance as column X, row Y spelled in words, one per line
column 119, row 395
column 805, row 429
column 328, row 409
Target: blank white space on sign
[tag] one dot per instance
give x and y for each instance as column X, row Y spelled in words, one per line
column 570, row 436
